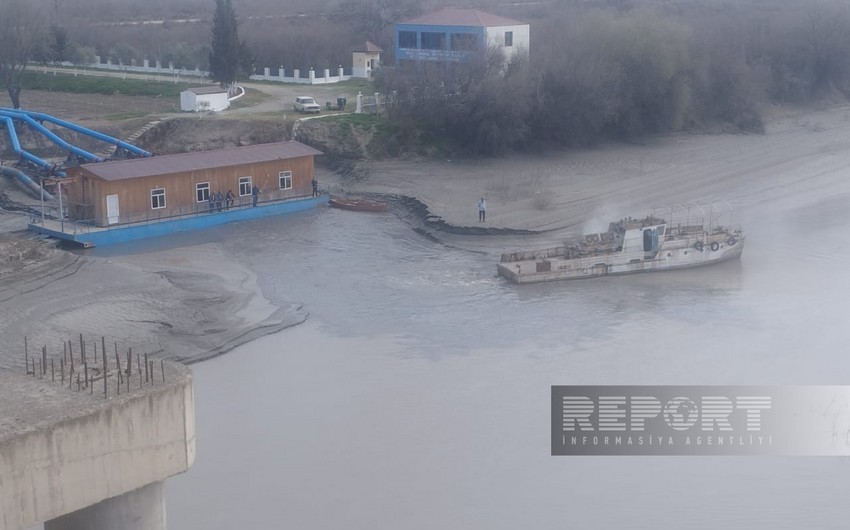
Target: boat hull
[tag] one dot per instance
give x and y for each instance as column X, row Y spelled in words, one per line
column 556, row 268
column 91, row 236
column 358, row 205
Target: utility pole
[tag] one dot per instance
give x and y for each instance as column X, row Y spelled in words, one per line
column 42, row 201
column 61, row 210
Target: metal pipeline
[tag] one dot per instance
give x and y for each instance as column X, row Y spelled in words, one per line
column 26, row 155
column 26, row 181
column 24, row 117
column 83, row 130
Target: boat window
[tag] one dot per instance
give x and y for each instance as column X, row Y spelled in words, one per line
column 647, row 240
column 661, row 230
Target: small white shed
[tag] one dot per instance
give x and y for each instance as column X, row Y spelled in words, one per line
column 204, row 98
column 365, row 57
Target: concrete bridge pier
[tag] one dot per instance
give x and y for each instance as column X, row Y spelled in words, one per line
column 141, row 509
column 94, row 456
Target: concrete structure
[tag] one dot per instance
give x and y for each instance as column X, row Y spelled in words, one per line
column 313, row 77
column 126, row 191
column 365, row 58
column 77, row 459
column 203, row 98
column 457, row 35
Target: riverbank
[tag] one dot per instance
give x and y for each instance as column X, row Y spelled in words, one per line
column 195, row 302
column 189, row 303
column 578, row 190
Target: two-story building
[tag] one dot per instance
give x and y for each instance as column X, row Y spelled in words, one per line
column 456, row 35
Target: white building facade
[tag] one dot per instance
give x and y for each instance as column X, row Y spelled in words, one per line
column 457, row 35
column 204, row 98
column 364, row 59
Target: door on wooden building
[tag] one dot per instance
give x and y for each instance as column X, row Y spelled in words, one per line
column 112, row 208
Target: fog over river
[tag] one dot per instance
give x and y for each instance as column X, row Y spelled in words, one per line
column 417, row 393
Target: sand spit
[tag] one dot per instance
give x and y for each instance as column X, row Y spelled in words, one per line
column 189, row 304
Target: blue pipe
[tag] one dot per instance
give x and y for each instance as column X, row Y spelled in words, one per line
column 28, row 182
column 16, row 145
column 84, row 130
column 51, row 135
column 26, row 155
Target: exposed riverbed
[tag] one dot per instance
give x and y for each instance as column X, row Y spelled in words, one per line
column 416, row 394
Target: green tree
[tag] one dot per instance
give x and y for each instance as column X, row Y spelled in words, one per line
column 229, row 58
column 22, row 31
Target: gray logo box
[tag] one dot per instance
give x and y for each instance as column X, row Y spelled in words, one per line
column 701, row 420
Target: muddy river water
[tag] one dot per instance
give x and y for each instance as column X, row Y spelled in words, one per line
column 417, row 393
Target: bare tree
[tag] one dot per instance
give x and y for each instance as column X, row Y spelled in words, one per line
column 370, row 17
column 827, row 40
column 23, row 32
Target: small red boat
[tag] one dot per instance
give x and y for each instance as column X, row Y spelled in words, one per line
column 358, row 205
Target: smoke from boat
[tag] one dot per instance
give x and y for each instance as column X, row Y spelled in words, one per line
column 601, row 218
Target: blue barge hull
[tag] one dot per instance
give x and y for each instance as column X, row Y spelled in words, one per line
column 89, row 236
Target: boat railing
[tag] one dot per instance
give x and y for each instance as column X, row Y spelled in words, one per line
column 77, row 226
column 556, row 252
column 708, row 213
column 680, row 229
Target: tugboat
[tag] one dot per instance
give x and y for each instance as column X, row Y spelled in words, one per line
column 630, row 246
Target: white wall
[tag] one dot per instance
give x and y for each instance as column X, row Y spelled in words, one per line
column 496, row 38
column 191, row 102
column 187, row 101
column 215, row 102
column 360, row 64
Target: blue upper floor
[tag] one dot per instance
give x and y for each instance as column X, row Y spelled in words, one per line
column 417, row 42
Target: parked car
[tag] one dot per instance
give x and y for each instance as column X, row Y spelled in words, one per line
column 305, row 104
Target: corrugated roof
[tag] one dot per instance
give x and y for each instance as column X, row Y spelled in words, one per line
column 367, row 46
column 451, row 16
column 206, row 90
column 199, row 161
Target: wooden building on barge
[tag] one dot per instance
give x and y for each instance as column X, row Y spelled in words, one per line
column 165, row 186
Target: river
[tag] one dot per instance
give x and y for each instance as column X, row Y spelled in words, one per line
column 417, row 394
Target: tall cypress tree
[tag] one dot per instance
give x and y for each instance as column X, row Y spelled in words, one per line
column 226, row 61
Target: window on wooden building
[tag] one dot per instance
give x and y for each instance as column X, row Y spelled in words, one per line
column 509, row 39
column 157, row 198
column 244, row 186
column 285, row 178
column 202, row 191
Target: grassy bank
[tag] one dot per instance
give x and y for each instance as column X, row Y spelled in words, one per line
column 92, row 84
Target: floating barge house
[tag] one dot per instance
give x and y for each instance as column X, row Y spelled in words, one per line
column 114, row 202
